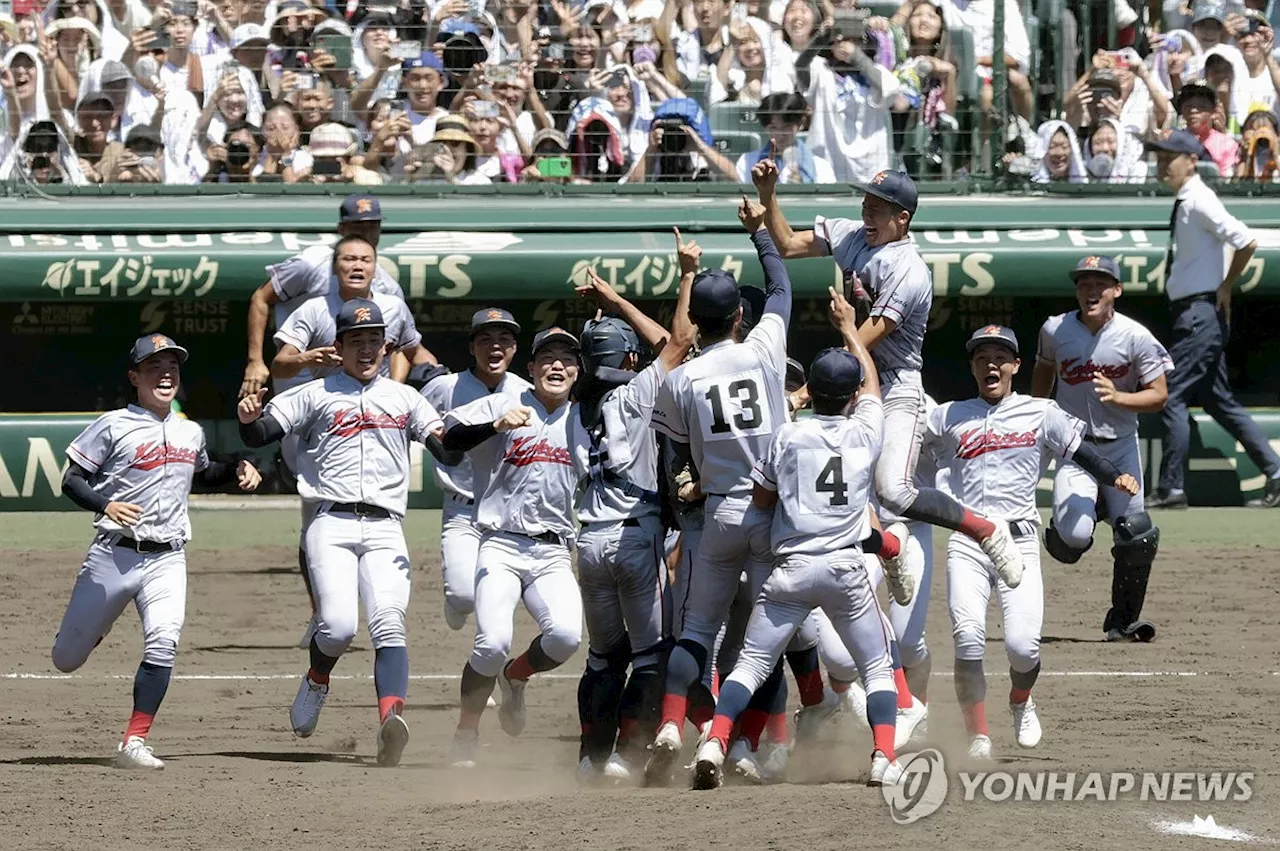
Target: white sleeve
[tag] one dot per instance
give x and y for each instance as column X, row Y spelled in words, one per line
column 640, row 395
column 293, row 278
column 833, row 233
column 406, row 336
column 868, row 413
column 1017, row 44
column 294, row 408
column 1151, row 358
column 480, row 411
column 1047, row 346
column 92, row 447
column 385, row 284
column 899, row 296
column 769, row 339
column 437, row 393
column 298, row 329
column 1212, row 215
column 202, row 454
column 765, row 472
column 668, row 417
column 1061, row 430
column 423, row 418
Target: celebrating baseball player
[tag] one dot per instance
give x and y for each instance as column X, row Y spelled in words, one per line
column 816, row 478
column 526, row 478
column 993, row 448
column 493, row 345
column 1108, row 368
column 620, row 547
column 353, row 473
column 133, row 468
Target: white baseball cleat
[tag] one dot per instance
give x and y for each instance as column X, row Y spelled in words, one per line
column 455, row 619
column 617, row 770
column 1026, row 725
column 511, row 714
column 902, row 585
column 463, row 752
column 980, row 747
column 854, row 702
column 304, row 714
column 743, row 762
column 308, row 634
column 1004, row 554
column 884, row 771
column 773, row 767
column 392, row 737
column 810, row 719
column 588, row 774
column 663, row 755
column 708, row 765
column 134, row 754
column 909, row 723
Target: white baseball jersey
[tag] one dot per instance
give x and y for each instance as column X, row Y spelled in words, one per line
column 821, row 469
column 627, row 447
column 525, row 479
column 314, row 325
column 1124, row 351
column 899, row 281
column 726, row 404
column 133, row 456
column 453, row 391
column 992, row 455
column 354, row 438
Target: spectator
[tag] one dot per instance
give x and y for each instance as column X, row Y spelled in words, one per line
column 331, row 58
column 423, row 79
column 371, row 52
column 390, row 141
column 1260, row 148
column 235, row 161
column 74, row 45
column 332, row 149
column 978, row 16
column 455, row 153
column 596, row 142
column 1175, row 56
column 781, row 116
column 744, row 74
column 228, row 106
column 245, row 58
column 1061, row 161
column 24, row 89
column 801, row 20
column 98, row 12
column 282, row 155
column 513, row 27
column 291, row 34
column 1208, row 23
column 1113, row 154
column 629, row 99
column 1255, row 78
column 680, row 148
column 700, row 49
column 1116, row 86
column 550, row 162
column 511, row 85
column 926, row 69
column 144, row 158
column 312, row 97
column 484, row 124
column 1196, row 104
column 182, row 62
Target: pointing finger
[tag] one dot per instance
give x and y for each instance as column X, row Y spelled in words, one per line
column 679, row 238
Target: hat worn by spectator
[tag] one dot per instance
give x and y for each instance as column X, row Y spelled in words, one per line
column 453, row 128
column 998, row 334
column 835, row 374
column 554, row 334
column 1093, row 263
column 896, row 187
column 1206, row 10
column 552, row 136
column 248, row 34
column 493, row 317
column 1180, row 142
column 143, row 138
column 714, row 295
column 359, row 314
column 1105, row 79
column 154, row 344
column 360, row 207
column 75, row 23
column 1253, row 21
column 331, row 140
column 113, row 71
column 426, row 60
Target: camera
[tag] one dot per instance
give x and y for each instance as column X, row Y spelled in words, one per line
column 674, row 140
column 851, row 23
column 406, row 50
column 643, row 34
column 304, row 82
column 238, row 155
column 484, row 109
column 554, row 52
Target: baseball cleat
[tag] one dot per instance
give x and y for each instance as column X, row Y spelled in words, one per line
column 743, row 762
column 902, row 585
column 1003, row 552
column 1026, row 726
column 304, row 714
column 810, row 719
column 392, row 737
column 663, row 755
column 308, row 634
column 884, row 771
column 463, row 752
column 588, row 774
column 980, row 747
column 617, row 770
column 854, row 702
column 707, row 773
column 511, row 714
column 454, row 618
column 134, row 754
column 911, row 722
column 777, row 758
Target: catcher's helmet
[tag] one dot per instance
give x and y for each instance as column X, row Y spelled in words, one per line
column 607, row 342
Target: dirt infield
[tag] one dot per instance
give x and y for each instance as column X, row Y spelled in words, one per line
column 1200, row 699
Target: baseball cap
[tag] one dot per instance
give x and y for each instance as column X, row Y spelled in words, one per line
column 795, row 373
column 248, row 33
column 552, row 135
column 896, row 187
column 112, row 71
column 360, row 207
column 835, row 373
column 153, row 344
column 358, row 314
column 715, row 295
column 986, row 334
column 555, row 334
column 1203, row 10
column 143, row 137
column 426, row 60
column 1093, row 263
column 493, row 316
column 331, row 140
column 752, row 301
column 1199, row 88
column 1179, row 142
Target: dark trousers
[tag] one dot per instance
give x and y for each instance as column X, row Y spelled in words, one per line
column 1200, row 375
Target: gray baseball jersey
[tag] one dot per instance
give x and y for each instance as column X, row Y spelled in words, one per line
column 1124, row 351
column 354, row 438
column 133, row 456
column 453, row 391
column 821, row 469
column 898, row 280
column 627, row 447
column 313, row 325
column 992, row 455
column 726, row 404
column 525, row 479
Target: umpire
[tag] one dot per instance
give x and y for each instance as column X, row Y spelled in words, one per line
column 1201, row 232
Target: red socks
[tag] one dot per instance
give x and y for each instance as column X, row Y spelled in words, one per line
column 318, row 678
column 975, row 719
column 388, row 706
column 721, row 729
column 904, row 692
column 882, row 736
column 753, row 722
column 978, row 528
column 777, row 728
column 890, row 546
column 1019, row 695
column 139, row 725
column 520, row 669
column 674, row 707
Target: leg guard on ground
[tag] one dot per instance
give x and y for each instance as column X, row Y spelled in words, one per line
column 1137, row 540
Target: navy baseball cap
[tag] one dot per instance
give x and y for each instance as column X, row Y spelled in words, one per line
column 153, row 344
column 989, row 334
column 896, row 187
column 1179, row 142
column 1094, row 263
column 555, row 334
column 493, row 316
column 834, row 374
column 751, row 300
column 358, row 315
column 360, row 207
column 715, row 295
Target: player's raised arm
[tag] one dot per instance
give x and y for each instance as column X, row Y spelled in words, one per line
column 255, row 371
column 777, row 283
column 790, row 244
column 842, row 316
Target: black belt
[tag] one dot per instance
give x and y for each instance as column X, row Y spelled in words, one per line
column 1098, row 441
column 360, row 509
column 462, row 499
column 629, row 521
column 1186, row 301
column 546, row 538
column 1024, row 528
column 145, row 546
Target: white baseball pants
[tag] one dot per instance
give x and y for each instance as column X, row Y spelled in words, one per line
column 908, row 620
column 1075, row 493
column 459, row 546
column 623, row 576
column 970, row 578
column 904, row 427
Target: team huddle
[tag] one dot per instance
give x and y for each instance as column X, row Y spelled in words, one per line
column 721, row 537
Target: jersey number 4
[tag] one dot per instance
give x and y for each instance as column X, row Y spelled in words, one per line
column 749, row 416
column 831, row 481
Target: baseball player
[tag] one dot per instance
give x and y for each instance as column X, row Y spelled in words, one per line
column 526, row 477
column 353, row 474
column 133, row 468
column 816, row 477
column 720, row 410
column 1107, row 369
column 993, row 448
column 621, row 544
column 493, row 345
column 878, row 254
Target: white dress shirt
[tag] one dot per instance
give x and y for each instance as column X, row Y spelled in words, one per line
column 1202, row 231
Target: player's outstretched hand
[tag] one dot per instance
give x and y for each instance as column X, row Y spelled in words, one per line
column 597, row 289
column 250, row 407
column 1128, row 484
column 841, row 313
column 751, row 214
column 124, row 513
column 247, row 476
column 256, row 374
column 765, row 175
column 513, row 419
column 690, row 254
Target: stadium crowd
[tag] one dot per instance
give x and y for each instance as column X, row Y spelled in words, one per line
column 475, row 92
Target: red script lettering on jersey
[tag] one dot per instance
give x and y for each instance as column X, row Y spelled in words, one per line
column 148, row 456
column 524, row 451
column 1081, row 373
column 349, row 421
column 975, row 443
